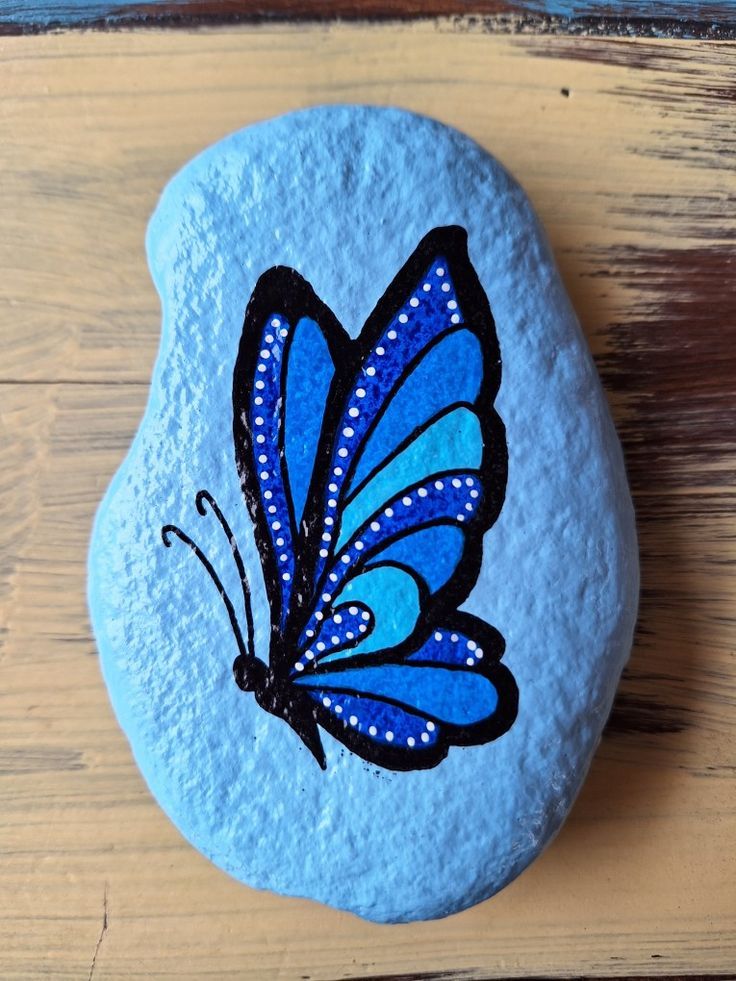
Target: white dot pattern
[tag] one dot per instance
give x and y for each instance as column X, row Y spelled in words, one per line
column 338, row 632
column 264, row 419
column 379, row 722
column 449, row 647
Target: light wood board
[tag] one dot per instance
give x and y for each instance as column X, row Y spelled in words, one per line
column 632, row 171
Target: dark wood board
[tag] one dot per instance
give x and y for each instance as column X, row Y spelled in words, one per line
column 643, row 18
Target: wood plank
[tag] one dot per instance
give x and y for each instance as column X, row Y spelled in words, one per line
column 631, row 168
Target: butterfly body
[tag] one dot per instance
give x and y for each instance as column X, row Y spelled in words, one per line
column 278, row 698
column 371, row 469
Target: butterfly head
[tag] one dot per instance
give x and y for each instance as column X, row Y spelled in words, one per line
column 251, row 674
column 271, row 690
column 268, row 686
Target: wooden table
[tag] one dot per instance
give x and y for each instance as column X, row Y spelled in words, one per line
column 626, row 148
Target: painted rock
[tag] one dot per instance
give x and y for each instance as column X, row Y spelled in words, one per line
column 366, row 581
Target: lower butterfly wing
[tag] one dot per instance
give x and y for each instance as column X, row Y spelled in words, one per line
column 404, row 714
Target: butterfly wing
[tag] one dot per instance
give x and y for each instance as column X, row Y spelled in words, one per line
column 413, row 457
column 404, row 714
column 410, row 473
column 283, row 373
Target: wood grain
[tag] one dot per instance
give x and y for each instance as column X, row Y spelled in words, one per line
column 626, row 149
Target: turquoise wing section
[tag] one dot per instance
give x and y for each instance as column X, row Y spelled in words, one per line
column 392, row 595
column 454, row 442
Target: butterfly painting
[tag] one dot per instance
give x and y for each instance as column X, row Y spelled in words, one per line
column 371, row 469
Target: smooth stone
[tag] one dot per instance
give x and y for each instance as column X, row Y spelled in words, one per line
column 344, row 195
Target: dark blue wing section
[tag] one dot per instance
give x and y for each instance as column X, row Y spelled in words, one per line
column 457, row 646
column 384, row 724
column 337, row 634
column 261, row 417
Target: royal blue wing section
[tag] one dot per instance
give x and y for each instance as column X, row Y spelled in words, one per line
column 459, row 698
column 434, row 553
column 309, row 372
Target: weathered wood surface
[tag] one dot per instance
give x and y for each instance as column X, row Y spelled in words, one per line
column 627, row 150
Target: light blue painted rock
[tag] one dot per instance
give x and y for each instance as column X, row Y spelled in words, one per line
column 425, row 555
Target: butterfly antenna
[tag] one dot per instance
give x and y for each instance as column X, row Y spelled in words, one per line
column 166, row 533
column 203, row 496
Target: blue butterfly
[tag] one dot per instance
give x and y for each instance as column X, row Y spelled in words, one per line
column 371, row 469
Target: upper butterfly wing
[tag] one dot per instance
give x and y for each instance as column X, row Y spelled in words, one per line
column 283, row 373
column 412, row 464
